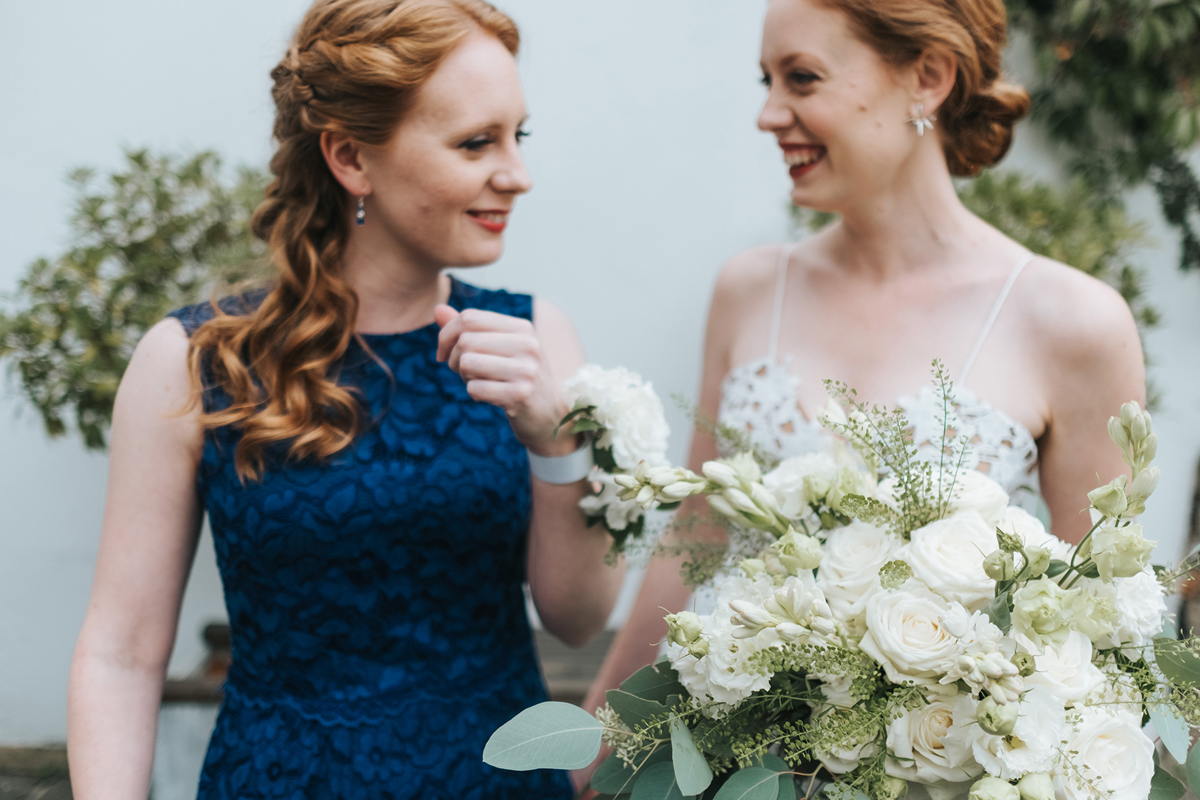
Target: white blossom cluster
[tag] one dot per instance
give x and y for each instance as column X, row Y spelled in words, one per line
column 1024, row 700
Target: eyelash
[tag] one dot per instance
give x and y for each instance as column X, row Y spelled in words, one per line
column 801, row 78
column 475, row 145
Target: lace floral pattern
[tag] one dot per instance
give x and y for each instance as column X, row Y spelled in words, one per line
column 375, row 600
column 758, row 402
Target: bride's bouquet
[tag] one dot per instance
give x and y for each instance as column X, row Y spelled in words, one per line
column 903, row 631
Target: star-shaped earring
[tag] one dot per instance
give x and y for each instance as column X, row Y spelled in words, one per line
column 921, row 120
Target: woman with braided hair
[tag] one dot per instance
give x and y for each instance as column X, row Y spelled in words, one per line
column 357, row 433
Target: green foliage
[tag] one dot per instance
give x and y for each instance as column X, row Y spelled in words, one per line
column 548, row 735
column 158, row 234
column 1121, row 89
column 1064, row 224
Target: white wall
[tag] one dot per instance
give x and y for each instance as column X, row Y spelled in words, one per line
column 649, row 174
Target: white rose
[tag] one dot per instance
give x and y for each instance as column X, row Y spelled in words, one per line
column 974, row 491
column 1111, row 756
column 947, row 556
column 799, row 482
column 1032, row 746
column 905, row 634
column 849, row 572
column 1067, row 671
column 1032, row 533
column 916, row 746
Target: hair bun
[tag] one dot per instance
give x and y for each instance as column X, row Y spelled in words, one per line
column 982, row 132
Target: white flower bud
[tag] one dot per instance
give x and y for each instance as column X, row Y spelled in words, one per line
column 626, row 481
column 989, row 788
column 645, row 496
column 720, row 505
column 1117, row 432
column 721, row 474
column 1109, row 500
column 741, row 501
column 893, row 788
column 1129, row 412
column 750, row 619
column 1120, row 552
column 1145, row 483
column 999, row 566
column 1039, row 560
column 1036, row 786
column 677, row 491
column 753, row 566
column 684, row 628
column 763, row 499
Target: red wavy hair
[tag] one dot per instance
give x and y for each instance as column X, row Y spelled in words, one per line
column 354, row 67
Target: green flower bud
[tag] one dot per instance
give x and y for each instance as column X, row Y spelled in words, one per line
column 698, row 648
column 989, row 788
column 892, row 788
column 1036, row 786
column 998, row 719
column 1039, row 560
column 684, row 628
column 798, row 552
column 1110, row 500
column 999, row 566
column 1025, row 664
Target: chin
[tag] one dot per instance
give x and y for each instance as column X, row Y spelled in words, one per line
column 819, row 202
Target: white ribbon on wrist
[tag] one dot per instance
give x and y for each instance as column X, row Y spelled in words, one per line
column 562, row 470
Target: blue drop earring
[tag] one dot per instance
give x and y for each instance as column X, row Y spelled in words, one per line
column 360, row 216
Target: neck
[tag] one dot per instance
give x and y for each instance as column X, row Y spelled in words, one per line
column 396, row 292
column 915, row 224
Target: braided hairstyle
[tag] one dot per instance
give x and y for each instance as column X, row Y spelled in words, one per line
column 978, row 116
column 354, row 67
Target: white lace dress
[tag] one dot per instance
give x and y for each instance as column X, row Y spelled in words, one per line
column 759, row 400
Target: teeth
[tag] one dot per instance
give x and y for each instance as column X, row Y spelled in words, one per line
column 799, row 158
column 494, row 218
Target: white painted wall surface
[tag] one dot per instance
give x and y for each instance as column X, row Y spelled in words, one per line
column 649, row 174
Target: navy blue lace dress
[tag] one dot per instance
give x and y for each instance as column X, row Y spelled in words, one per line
column 375, row 600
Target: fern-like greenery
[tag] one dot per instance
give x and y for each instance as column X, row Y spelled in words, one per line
column 158, row 234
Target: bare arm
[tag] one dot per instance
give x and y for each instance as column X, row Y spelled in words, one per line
column 520, row 368
column 151, row 521
column 1094, row 364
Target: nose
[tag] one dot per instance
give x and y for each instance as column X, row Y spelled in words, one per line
column 512, row 177
column 775, row 115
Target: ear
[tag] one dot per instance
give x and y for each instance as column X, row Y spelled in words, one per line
column 935, row 74
column 344, row 157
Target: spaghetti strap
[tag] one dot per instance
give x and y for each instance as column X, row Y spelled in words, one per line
column 785, row 254
column 991, row 320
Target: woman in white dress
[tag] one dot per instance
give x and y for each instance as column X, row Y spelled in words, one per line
column 876, row 107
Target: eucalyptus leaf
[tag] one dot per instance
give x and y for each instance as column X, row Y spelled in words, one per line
column 1164, row 786
column 1178, row 663
column 1172, row 730
column 1193, row 769
column 658, row 783
column 655, row 682
column 616, row 777
column 547, row 736
column 787, row 778
column 632, row 709
column 999, row 613
column 691, row 769
column 751, row 783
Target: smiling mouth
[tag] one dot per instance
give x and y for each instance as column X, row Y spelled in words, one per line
column 494, row 221
column 800, row 157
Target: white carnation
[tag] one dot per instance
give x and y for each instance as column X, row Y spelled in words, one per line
column 906, row 635
column 1032, row 747
column 849, row 572
column 628, row 408
column 799, row 482
column 974, row 491
column 1141, row 610
column 1067, row 671
column 917, row 749
column 947, row 556
column 1109, row 757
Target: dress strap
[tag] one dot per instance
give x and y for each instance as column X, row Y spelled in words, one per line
column 785, row 255
column 991, row 320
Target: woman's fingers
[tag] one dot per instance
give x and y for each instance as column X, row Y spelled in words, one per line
column 511, row 345
column 484, row 366
column 505, row 394
column 475, row 324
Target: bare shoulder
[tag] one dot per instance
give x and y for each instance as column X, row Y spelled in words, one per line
column 155, row 396
column 551, row 319
column 747, row 275
column 1074, row 313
